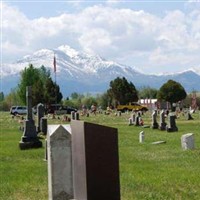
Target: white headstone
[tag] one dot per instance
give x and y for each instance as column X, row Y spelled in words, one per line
column 187, row 141
column 59, row 152
column 141, row 137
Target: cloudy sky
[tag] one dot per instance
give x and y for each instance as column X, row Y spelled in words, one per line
column 152, row 36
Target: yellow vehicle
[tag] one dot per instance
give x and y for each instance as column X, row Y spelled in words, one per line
column 131, row 106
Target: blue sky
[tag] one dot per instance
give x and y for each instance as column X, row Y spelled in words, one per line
column 152, row 36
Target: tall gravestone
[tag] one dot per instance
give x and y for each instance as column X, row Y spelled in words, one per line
column 95, row 161
column 163, row 124
column 154, row 120
column 172, row 123
column 29, row 138
column 60, row 185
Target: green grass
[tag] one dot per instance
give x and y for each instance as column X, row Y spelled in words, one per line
column 147, row 171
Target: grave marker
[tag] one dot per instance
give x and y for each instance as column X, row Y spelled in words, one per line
column 29, row 138
column 60, row 185
column 95, row 161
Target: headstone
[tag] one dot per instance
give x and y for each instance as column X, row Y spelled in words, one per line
column 119, row 113
column 154, row 120
column 189, row 116
column 60, row 185
column 187, row 141
column 141, row 137
column 76, row 117
column 133, row 117
column 95, row 161
column 40, row 114
column 43, row 125
column 130, row 121
column 172, row 123
column 29, row 138
column 137, row 122
column 73, row 115
column 162, row 121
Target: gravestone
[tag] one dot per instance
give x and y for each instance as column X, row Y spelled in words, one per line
column 60, row 181
column 73, row 115
column 133, row 117
column 40, row 114
column 154, row 120
column 76, row 117
column 29, row 138
column 187, row 141
column 130, row 121
column 43, row 125
column 172, row 123
column 119, row 113
column 189, row 116
column 141, row 137
column 95, row 161
column 162, row 121
column 137, row 118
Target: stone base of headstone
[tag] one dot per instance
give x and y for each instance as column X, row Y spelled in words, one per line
column 29, row 139
column 155, row 125
column 174, row 129
column 162, row 126
column 30, row 143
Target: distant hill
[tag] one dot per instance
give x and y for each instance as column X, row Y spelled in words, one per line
column 83, row 73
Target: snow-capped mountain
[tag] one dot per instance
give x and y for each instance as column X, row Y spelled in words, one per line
column 81, row 72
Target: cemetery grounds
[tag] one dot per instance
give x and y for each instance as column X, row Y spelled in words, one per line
column 147, row 171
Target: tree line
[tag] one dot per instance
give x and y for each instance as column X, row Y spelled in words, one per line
column 120, row 91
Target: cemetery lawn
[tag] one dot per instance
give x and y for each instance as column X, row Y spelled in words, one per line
column 147, row 171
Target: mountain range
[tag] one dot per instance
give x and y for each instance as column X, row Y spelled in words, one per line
column 84, row 73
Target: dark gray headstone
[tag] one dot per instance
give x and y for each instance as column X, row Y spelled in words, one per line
column 43, row 125
column 154, row 120
column 95, row 161
column 172, row 123
column 29, row 138
column 162, row 121
column 73, row 115
column 76, row 116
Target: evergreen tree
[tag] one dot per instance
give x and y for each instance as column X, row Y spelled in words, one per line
column 172, row 92
column 122, row 91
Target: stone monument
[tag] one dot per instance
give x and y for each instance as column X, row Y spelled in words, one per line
column 172, row 123
column 187, row 141
column 95, row 161
column 60, row 185
column 40, row 114
column 29, row 138
column 154, row 120
column 163, row 124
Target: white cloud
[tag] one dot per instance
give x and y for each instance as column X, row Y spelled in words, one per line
column 132, row 37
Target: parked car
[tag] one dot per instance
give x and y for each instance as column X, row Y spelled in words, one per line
column 65, row 110
column 60, row 109
column 131, row 106
column 18, row 110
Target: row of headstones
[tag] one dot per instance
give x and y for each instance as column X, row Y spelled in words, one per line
column 187, row 140
column 83, row 162
column 135, row 118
